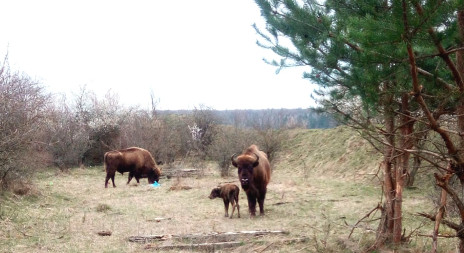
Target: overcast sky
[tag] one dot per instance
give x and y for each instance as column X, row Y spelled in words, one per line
column 188, row 53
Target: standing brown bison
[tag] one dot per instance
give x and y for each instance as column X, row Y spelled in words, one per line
column 254, row 173
column 137, row 161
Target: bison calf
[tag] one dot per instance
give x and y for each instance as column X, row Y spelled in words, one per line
column 228, row 193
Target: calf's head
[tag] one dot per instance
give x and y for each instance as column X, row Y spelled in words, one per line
column 245, row 165
column 215, row 193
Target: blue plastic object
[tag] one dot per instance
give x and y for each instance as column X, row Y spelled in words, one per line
column 155, row 184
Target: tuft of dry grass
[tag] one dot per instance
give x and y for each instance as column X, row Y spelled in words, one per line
column 103, row 208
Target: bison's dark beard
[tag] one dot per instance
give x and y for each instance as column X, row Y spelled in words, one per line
column 249, row 188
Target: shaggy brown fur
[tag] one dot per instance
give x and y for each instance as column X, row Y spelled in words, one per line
column 254, row 172
column 137, row 161
column 228, row 193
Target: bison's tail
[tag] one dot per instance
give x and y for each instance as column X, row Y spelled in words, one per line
column 104, row 161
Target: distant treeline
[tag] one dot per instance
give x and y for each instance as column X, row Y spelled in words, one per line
column 269, row 118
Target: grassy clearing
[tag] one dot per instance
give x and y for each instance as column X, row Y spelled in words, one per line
column 313, row 194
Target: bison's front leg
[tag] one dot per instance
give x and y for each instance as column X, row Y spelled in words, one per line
column 251, row 204
column 226, row 207
column 261, row 198
column 131, row 175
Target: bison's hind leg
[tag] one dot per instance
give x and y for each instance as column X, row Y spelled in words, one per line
column 106, row 181
column 234, row 202
column 226, row 207
column 238, row 207
column 235, row 205
column 108, row 177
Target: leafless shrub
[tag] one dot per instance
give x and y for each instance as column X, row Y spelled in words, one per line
column 68, row 137
column 203, row 130
column 270, row 135
column 270, row 141
column 23, row 104
column 228, row 141
column 146, row 130
column 81, row 131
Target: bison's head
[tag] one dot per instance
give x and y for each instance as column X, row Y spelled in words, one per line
column 216, row 192
column 245, row 165
column 153, row 176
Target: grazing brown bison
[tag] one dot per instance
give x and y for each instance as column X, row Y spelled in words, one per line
column 254, row 173
column 228, row 193
column 137, row 161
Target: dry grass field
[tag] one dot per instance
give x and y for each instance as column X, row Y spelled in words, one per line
column 317, row 193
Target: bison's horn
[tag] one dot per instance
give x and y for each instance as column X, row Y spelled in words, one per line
column 257, row 157
column 234, row 159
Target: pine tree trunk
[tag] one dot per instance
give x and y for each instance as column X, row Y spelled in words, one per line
column 398, row 206
column 385, row 230
column 406, row 142
column 460, row 68
column 413, row 172
column 460, row 110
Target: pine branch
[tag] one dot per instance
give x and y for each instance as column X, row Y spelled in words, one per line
column 418, row 95
column 442, row 52
column 425, row 73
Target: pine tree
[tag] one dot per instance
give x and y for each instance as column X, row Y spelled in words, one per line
column 385, row 68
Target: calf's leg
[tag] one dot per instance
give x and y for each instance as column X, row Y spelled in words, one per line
column 232, row 201
column 226, row 207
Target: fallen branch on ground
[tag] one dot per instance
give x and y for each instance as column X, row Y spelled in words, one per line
column 214, row 246
column 200, row 246
column 180, row 187
column 441, row 236
column 158, row 219
column 224, row 236
column 281, row 203
column 104, row 233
